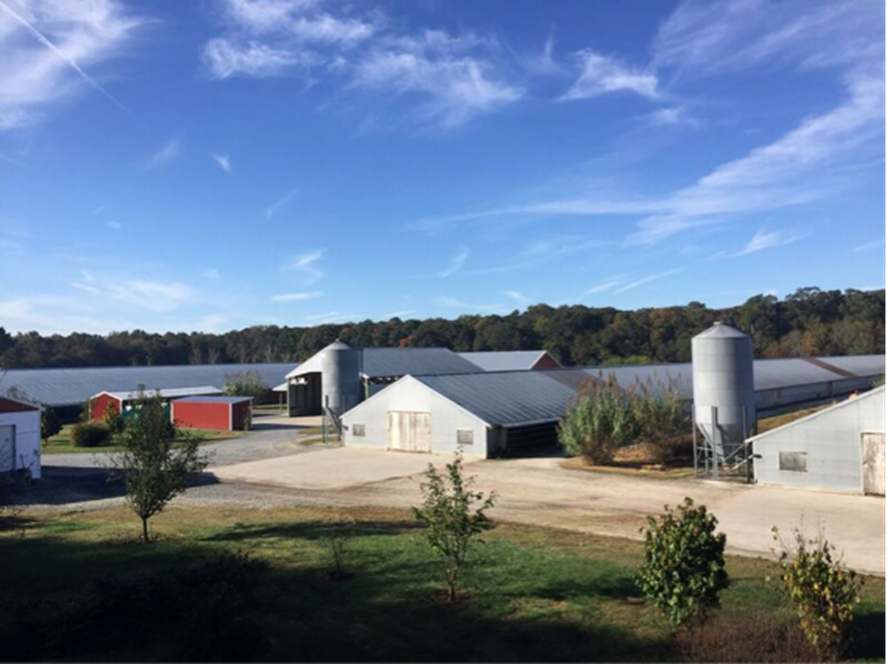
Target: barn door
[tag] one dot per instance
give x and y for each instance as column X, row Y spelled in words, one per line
column 408, row 431
column 873, row 463
column 7, row 448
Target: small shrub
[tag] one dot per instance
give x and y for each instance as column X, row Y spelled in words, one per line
column 683, row 570
column 663, row 420
column 154, row 467
column 245, row 384
column 452, row 522
column 822, row 590
column 744, row 637
column 337, row 539
column 90, row 434
column 49, row 423
column 113, row 419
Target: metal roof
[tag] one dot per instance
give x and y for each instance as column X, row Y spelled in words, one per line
column 721, row 331
column 769, row 374
column 515, row 398
column 220, row 399
column 504, row 398
column 396, row 362
column 73, row 386
column 166, row 393
column 877, row 393
column 505, row 360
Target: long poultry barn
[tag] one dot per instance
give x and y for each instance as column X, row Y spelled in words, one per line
column 494, row 412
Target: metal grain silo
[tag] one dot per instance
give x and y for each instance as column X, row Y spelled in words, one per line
column 340, row 377
column 723, row 391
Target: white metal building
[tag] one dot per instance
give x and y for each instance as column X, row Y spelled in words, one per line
column 19, row 436
column 484, row 413
column 840, row 448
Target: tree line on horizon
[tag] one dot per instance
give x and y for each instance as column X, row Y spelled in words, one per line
column 809, row 322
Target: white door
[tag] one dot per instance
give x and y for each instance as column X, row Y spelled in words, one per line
column 7, row 448
column 873, row 463
column 408, row 431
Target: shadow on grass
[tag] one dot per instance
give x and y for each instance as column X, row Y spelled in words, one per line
column 76, row 599
column 868, row 634
column 317, row 529
column 63, row 485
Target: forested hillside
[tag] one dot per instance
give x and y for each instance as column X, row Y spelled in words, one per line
column 809, row 322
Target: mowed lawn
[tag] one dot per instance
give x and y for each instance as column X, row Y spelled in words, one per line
column 61, row 443
column 533, row 594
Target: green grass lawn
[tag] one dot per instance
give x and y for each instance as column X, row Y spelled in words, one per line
column 61, row 442
column 270, row 409
column 533, row 594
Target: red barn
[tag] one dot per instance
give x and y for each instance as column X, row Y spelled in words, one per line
column 220, row 413
column 98, row 405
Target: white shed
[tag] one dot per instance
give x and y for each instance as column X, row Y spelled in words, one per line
column 483, row 413
column 19, row 436
column 840, row 448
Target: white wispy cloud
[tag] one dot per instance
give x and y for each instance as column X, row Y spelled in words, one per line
column 456, row 264
column 224, row 58
column 45, row 47
column 212, row 274
column 448, row 79
column 167, row 153
column 646, row 280
column 330, row 317
column 764, row 240
column 874, row 244
column 455, row 303
column 601, row 74
column 280, row 203
column 306, row 264
column 224, row 162
column 702, row 38
column 115, row 225
column 825, row 154
column 300, row 296
column 156, row 296
column 519, row 298
column 458, row 83
column 674, row 116
column 604, row 286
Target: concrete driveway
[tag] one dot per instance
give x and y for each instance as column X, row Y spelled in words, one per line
column 271, row 437
column 540, row 492
column 339, row 468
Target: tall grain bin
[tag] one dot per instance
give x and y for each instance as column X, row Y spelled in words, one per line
column 340, row 382
column 723, row 391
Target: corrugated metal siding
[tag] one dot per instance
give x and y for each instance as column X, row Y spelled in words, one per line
column 509, row 360
column 386, row 362
column 378, row 362
column 69, row 387
column 505, row 398
column 831, row 442
column 406, row 395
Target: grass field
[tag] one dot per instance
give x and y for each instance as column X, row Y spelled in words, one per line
column 533, row 594
column 61, row 442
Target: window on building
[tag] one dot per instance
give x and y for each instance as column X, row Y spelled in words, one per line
column 465, row 436
column 796, row 461
column 359, row 429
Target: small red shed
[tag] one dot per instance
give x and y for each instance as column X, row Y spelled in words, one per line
column 219, row 413
column 98, row 405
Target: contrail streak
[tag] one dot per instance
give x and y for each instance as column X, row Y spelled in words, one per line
column 52, row 47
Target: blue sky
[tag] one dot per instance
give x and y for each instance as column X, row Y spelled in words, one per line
column 217, row 164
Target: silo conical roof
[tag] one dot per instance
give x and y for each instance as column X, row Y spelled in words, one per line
column 720, row 331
